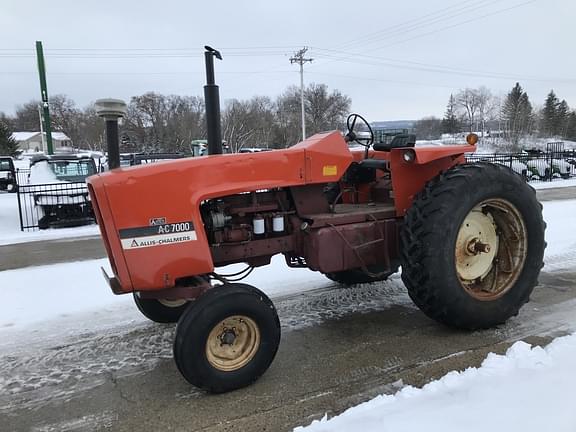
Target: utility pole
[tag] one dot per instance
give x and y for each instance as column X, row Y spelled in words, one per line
column 298, row 57
column 42, row 128
column 44, row 92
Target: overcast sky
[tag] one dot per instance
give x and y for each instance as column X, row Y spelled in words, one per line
column 396, row 60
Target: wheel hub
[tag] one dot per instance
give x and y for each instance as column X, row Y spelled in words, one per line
column 476, row 245
column 233, row 343
column 491, row 249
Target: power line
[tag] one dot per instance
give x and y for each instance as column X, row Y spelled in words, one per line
column 423, row 21
column 350, row 57
column 441, row 29
column 298, row 58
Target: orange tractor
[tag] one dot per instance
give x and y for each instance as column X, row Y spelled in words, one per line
column 469, row 238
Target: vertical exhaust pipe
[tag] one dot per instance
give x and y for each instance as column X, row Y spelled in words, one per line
column 212, row 101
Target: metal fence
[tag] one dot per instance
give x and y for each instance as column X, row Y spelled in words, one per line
column 54, row 205
column 22, row 175
column 534, row 166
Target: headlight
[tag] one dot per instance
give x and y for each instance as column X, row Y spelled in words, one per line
column 409, row 156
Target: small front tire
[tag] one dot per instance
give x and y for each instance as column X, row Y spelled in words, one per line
column 227, row 338
column 160, row 310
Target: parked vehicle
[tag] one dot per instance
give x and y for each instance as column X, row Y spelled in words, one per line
column 515, row 165
column 469, row 238
column 546, row 169
column 8, row 180
column 60, row 193
column 561, row 168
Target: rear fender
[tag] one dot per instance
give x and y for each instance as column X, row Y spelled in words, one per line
column 409, row 178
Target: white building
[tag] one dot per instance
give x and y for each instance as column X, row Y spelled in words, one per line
column 33, row 140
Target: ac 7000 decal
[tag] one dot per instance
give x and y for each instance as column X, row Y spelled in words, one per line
column 157, row 235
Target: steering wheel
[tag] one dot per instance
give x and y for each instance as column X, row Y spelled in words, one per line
column 351, row 135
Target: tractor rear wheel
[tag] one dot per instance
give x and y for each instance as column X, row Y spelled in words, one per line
column 161, row 310
column 227, row 338
column 473, row 246
column 358, row 276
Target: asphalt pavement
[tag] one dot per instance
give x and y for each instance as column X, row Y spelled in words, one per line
column 339, row 347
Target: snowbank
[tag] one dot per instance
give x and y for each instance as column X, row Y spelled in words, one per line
column 528, row 389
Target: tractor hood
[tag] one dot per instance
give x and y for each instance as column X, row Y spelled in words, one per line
column 149, row 216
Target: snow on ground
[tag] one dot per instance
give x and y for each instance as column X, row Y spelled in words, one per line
column 560, row 234
column 10, row 225
column 75, row 296
column 555, row 183
column 528, row 389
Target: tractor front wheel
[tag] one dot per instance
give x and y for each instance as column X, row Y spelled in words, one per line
column 161, row 310
column 227, row 338
column 473, row 246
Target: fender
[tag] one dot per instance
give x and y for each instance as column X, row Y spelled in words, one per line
column 409, row 178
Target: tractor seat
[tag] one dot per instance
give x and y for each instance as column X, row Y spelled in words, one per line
column 399, row 141
column 374, row 163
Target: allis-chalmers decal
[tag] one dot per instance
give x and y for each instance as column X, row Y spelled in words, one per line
column 157, row 235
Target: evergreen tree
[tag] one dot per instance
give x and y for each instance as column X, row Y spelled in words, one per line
column 571, row 127
column 8, row 145
column 549, row 125
column 517, row 115
column 562, row 116
column 450, row 123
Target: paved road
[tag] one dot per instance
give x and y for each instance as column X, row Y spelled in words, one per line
column 339, row 347
column 78, row 249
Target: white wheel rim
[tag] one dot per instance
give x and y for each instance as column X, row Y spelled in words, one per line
column 491, row 249
column 476, row 245
column 172, row 303
column 233, row 343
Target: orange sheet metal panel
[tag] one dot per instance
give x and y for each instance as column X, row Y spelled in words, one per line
column 409, row 178
column 327, row 157
column 151, row 213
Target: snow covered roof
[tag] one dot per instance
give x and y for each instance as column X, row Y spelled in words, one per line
column 25, row 136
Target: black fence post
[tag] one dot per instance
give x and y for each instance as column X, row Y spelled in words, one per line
column 19, row 207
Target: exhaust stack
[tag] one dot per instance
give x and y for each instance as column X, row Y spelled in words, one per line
column 212, row 101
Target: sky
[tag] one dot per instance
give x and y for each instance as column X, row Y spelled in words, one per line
column 396, row 60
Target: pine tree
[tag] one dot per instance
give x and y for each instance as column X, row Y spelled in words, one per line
column 562, row 116
column 450, row 123
column 571, row 127
column 517, row 115
column 8, row 145
column 549, row 126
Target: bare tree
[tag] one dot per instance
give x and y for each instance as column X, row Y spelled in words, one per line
column 324, row 111
column 248, row 123
column 155, row 122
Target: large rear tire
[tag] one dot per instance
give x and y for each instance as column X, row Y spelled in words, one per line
column 473, row 246
column 227, row 338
